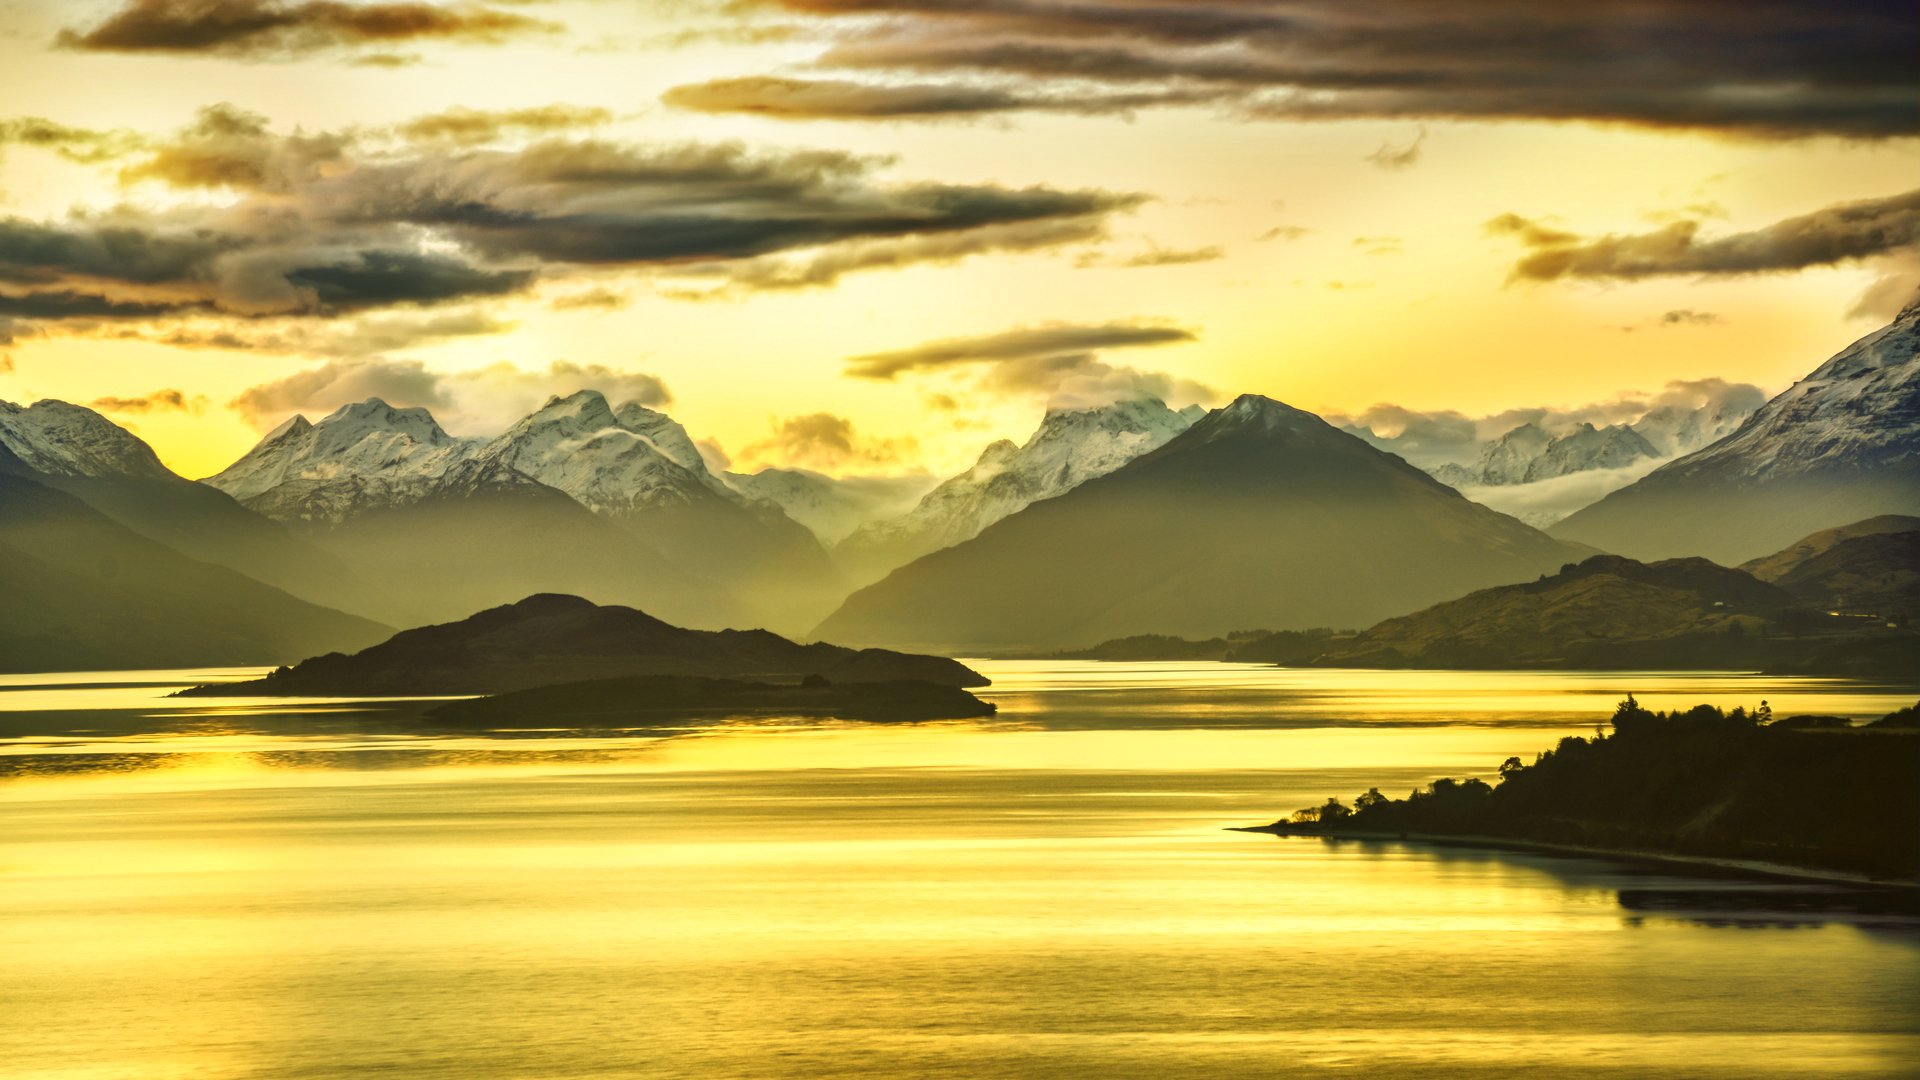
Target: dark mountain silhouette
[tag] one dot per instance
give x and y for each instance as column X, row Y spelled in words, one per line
column 79, row 591
column 1840, row 445
column 550, row 639
column 1258, row 515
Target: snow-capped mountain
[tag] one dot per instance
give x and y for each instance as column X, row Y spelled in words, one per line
column 832, row 506
column 1071, row 447
column 56, row 438
column 634, row 468
column 1838, row 446
column 361, row 457
column 1672, row 430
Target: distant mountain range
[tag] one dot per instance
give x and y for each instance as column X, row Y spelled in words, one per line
column 551, row 639
column 450, row 524
column 1868, row 567
column 1071, row 447
column 1840, row 445
column 1542, row 470
column 1258, row 514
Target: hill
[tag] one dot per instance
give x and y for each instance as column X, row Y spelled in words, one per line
column 1257, row 515
column 656, row 699
column 1868, row 567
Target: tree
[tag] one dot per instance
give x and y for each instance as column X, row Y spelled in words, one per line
column 1369, row 800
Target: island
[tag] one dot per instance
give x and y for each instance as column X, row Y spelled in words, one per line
column 549, row 639
column 1806, row 795
column 660, row 699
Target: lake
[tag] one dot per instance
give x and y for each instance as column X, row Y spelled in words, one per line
column 267, row 889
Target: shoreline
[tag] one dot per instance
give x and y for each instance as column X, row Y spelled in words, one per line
column 1754, row 867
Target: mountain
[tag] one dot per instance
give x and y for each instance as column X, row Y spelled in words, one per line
column 81, row 592
column 1527, row 454
column 549, row 639
column 1840, row 445
column 1071, row 447
column 78, row 451
column 1258, row 515
column 1868, row 567
column 832, row 506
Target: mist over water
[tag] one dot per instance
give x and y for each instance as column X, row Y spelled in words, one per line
column 262, row 889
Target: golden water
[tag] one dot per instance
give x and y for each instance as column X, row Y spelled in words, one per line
column 1047, row 894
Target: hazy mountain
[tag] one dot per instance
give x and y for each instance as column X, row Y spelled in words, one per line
column 80, row 592
column 76, row 450
column 1257, row 515
column 411, row 504
column 832, row 506
column 1869, row 567
column 549, row 639
column 578, row 445
column 1071, row 447
column 1840, row 445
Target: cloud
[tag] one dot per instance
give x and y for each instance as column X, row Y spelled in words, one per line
column 822, row 441
column 1845, row 233
column 470, row 127
column 322, row 225
column 1156, row 256
column 480, row 401
column 81, row 145
column 1771, row 70
column 1689, row 317
column 1283, row 232
column 158, row 401
column 1039, row 343
column 1429, row 438
column 1380, row 245
column 1398, row 158
column 1059, row 362
column 278, row 29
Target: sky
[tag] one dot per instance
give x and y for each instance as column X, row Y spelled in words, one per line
column 871, row 236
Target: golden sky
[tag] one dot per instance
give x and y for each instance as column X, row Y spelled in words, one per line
column 720, row 206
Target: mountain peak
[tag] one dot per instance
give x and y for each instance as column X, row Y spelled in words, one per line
column 60, row 438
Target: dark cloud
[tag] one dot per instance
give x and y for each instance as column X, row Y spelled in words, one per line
column 1058, row 362
column 1768, row 69
column 1689, row 317
column 158, row 401
column 266, row 29
column 321, row 225
column 841, row 99
column 469, row 127
column 1283, row 232
column 1838, row 234
column 1026, row 344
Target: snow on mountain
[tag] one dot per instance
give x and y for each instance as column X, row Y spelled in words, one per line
column 833, row 507
column 60, row 439
column 579, row 445
column 1587, row 448
column 1859, row 409
column 1071, row 447
column 361, row 457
